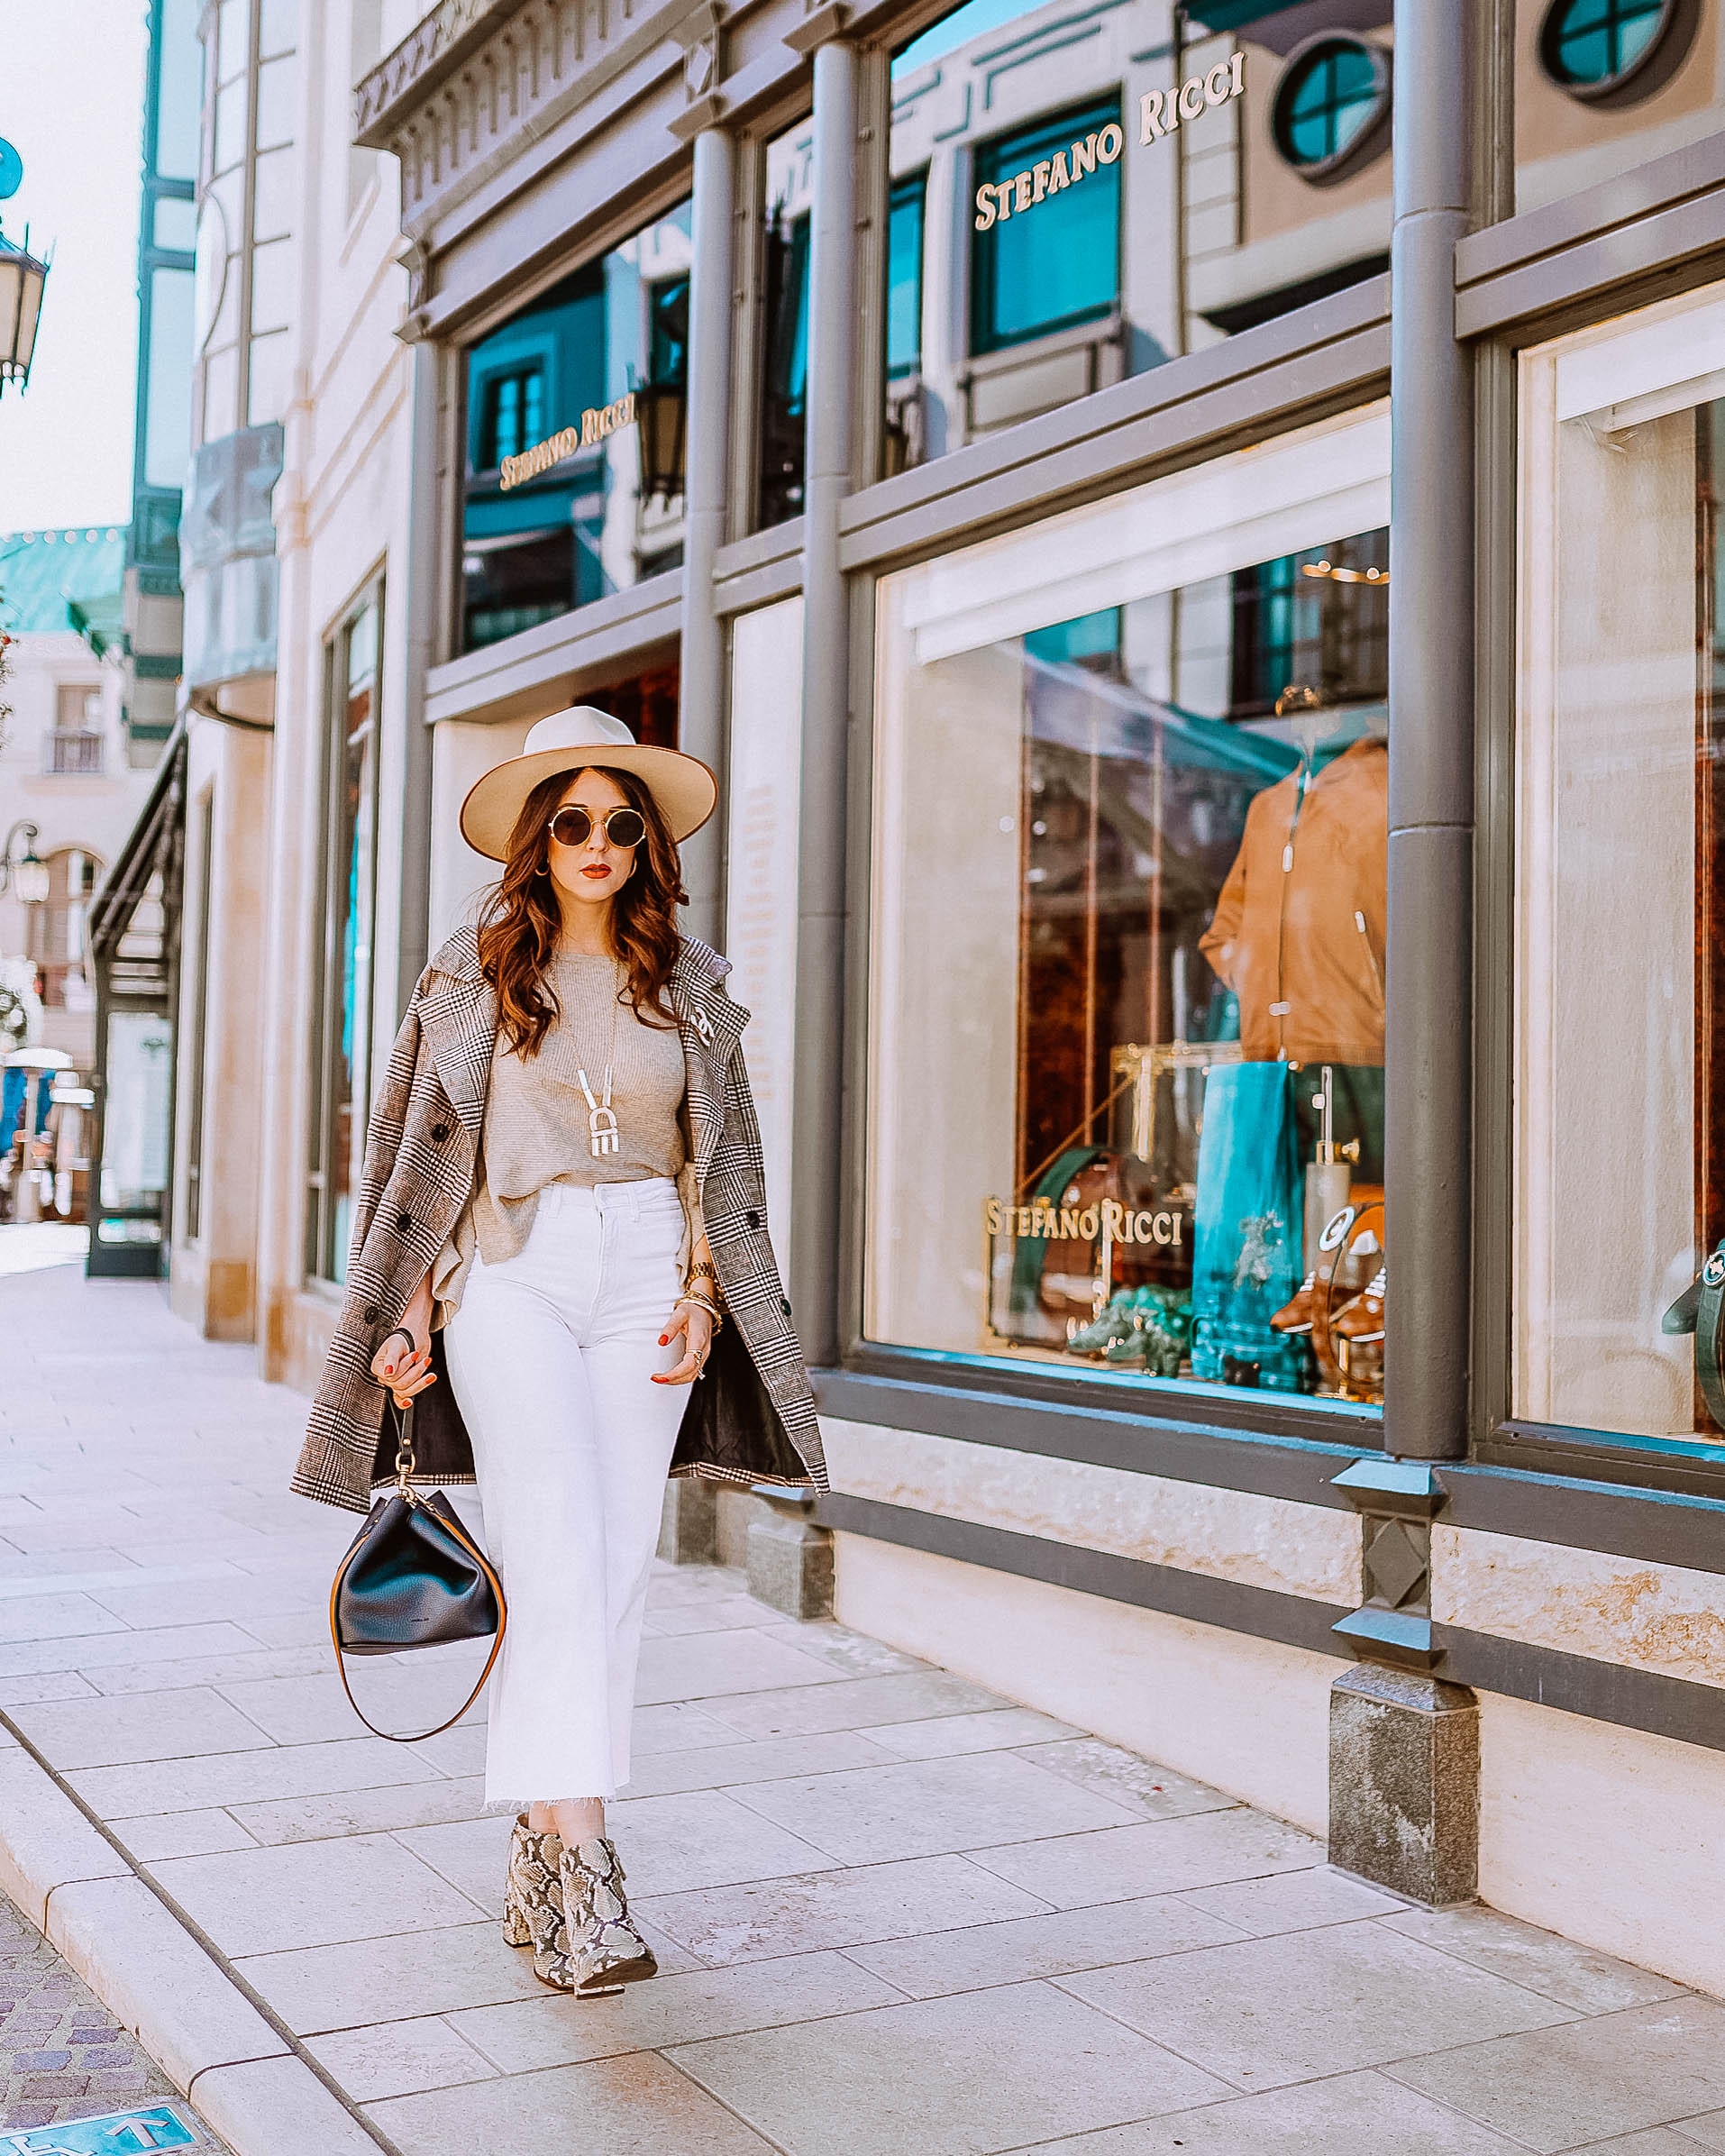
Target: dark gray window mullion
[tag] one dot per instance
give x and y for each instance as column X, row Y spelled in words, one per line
column 1441, row 60
column 818, row 1082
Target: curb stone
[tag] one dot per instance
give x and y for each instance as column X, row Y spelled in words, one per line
column 147, row 1964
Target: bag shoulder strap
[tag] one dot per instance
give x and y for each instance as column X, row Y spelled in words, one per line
column 472, row 1549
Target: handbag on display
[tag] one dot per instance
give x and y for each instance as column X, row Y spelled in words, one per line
column 413, row 1576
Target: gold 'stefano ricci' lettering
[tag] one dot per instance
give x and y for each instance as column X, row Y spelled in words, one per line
column 997, row 200
column 1160, row 112
column 597, row 422
column 1082, row 1224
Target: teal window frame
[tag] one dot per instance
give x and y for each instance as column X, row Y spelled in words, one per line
column 906, row 234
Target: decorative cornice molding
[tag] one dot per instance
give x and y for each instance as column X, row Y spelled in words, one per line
column 423, row 57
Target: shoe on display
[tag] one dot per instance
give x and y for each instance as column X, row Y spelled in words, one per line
column 1297, row 1317
column 1363, row 1321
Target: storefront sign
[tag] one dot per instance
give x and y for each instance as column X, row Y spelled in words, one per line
column 1082, row 1223
column 999, row 199
column 596, row 422
column 1160, row 111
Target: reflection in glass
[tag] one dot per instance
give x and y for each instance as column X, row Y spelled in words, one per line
column 1592, row 41
column 1327, row 98
column 1620, row 899
column 1058, row 264
column 1128, row 1041
column 1042, row 277
column 341, row 1090
column 594, row 519
column 784, row 370
column 1602, row 87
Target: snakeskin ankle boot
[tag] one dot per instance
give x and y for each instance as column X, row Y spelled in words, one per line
column 532, row 1896
column 601, row 1949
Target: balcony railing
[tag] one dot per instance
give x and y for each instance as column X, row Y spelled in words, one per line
column 76, row 754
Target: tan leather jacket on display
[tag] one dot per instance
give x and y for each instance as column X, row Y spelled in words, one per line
column 1299, row 928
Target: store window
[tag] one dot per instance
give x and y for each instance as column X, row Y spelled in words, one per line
column 784, row 357
column 1083, row 207
column 575, row 439
column 341, row 1028
column 1620, row 921
column 1126, row 1106
column 1604, row 85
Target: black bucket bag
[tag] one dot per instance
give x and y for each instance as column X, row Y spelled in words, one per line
column 413, row 1576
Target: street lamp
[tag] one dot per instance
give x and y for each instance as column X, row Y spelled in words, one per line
column 22, row 278
column 21, row 873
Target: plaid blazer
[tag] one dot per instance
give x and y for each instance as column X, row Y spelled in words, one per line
column 750, row 1414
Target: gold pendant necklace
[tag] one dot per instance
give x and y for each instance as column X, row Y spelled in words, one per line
column 602, row 1135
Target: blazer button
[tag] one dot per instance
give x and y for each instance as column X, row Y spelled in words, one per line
column 752, row 1217
column 440, row 1131
column 372, row 1314
column 403, row 1224
column 784, row 1304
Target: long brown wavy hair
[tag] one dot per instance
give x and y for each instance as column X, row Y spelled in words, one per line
column 522, row 921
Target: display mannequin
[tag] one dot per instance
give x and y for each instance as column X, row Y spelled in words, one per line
column 1298, row 933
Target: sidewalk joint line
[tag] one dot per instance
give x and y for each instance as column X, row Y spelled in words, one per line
column 247, row 1991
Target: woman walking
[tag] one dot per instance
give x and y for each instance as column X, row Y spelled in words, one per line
column 562, row 1209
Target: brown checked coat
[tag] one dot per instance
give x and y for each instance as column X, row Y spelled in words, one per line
column 751, row 1413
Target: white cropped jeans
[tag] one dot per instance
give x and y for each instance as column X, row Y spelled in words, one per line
column 550, row 1357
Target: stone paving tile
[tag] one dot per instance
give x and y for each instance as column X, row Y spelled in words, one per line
column 357, row 1811
column 772, row 1758
column 264, row 1901
column 63, row 2056
column 1298, row 1901
column 126, row 1730
column 944, row 1736
column 1307, row 2004
column 1353, row 2115
column 277, row 1770
column 673, row 2009
column 1140, row 1785
column 396, row 2059
column 1164, row 1856
column 1708, row 2132
column 1575, row 1976
column 708, row 1667
column 929, row 1807
column 184, row 1834
column 347, row 1986
column 860, row 1703
column 982, row 2071
column 624, row 2106
column 1610, row 2074
column 838, row 1908
column 1024, row 1947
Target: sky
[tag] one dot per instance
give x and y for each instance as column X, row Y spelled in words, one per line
column 71, row 103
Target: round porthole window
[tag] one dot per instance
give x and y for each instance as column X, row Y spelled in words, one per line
column 1331, row 110
column 1615, row 51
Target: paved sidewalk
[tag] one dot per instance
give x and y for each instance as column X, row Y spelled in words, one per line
column 897, row 1916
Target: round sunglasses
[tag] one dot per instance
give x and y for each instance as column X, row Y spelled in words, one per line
column 573, row 826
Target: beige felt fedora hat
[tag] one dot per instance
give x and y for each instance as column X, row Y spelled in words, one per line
column 577, row 740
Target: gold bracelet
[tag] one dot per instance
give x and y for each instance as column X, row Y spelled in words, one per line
column 700, row 1303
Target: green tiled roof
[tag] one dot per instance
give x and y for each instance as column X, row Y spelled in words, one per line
column 42, row 571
